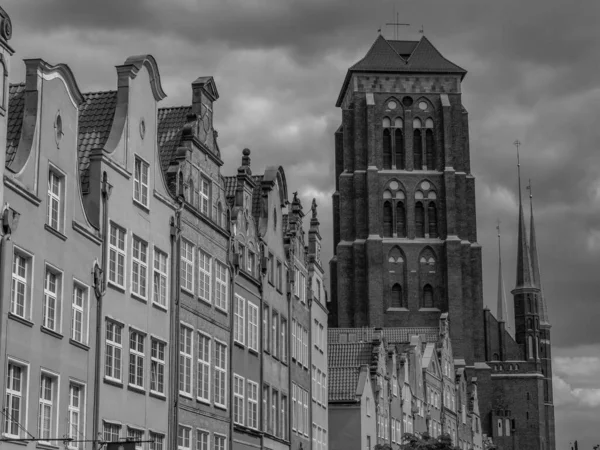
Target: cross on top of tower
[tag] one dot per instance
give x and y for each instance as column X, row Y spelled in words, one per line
column 397, row 24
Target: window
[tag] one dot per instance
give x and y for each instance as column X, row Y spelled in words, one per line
column 116, row 250
column 203, row 368
column 284, row 416
column 297, row 282
column 251, row 262
column 52, row 301
column 221, row 286
column 417, row 145
column 294, row 406
column 204, row 194
column 314, row 383
column 319, row 392
column 54, row 200
column 400, row 219
column 283, row 349
column 220, row 442
column 220, row 388
column 305, row 421
column 139, row 267
column 156, row 441
column 242, row 256
column 265, row 330
column 16, row 406
column 204, row 282
column 322, row 333
column 305, row 343
column 252, row 326
column 157, row 366
column 427, row 296
column 274, row 333
column 429, row 145
column 160, row 278
column 270, row 269
column 183, row 438
column 387, row 145
column 79, row 314
column 112, row 432
column 432, row 216
column 265, row 407
column 324, row 399
column 368, row 406
column 274, row 412
column 19, row 301
column 238, row 399
column 252, row 405
column 135, row 435
column 114, row 348
column 279, row 279
column 419, row 220
column 140, row 182
column 187, row 266
column 294, row 339
column 387, row 219
column 239, row 308
column 47, row 420
column 185, row 360
column 136, row 359
column 76, row 421
column 202, row 440
column 396, row 296
column 302, row 288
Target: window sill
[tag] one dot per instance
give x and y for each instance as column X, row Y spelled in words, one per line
column 203, row 300
column 78, row 344
column 138, row 389
column 253, row 351
column 116, row 287
column 45, row 445
column 203, row 401
column 429, row 309
column 239, row 344
column 221, row 310
column 158, row 395
column 187, row 291
column 20, row 319
column 59, row 235
column 112, row 382
column 139, row 298
column 141, row 206
column 221, row 407
column 159, row 306
column 186, row 395
column 17, row 440
column 396, row 309
column 51, row 332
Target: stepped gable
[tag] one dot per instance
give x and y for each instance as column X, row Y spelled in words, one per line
column 170, row 127
column 342, row 383
column 16, row 105
column 96, row 116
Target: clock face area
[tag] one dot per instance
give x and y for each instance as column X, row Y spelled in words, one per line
column 392, row 104
column 423, row 106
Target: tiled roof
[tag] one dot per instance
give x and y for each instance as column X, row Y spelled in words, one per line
column 343, row 382
column 403, row 48
column 16, row 104
column 256, row 196
column 391, row 335
column 95, row 121
column 230, row 183
column 170, row 125
column 354, row 354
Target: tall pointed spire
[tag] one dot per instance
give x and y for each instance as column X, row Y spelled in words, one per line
column 535, row 262
column 524, row 271
column 502, row 314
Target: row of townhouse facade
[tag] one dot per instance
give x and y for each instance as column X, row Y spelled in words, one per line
column 146, row 297
column 385, row 383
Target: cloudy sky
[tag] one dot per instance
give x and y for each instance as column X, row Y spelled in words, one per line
column 279, row 65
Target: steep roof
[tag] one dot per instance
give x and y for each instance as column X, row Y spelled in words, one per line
column 354, row 354
column 229, row 184
column 402, row 57
column 170, row 126
column 343, row 383
column 96, row 116
column 391, row 335
column 16, row 106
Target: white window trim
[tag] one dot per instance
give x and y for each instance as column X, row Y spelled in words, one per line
column 24, row 394
column 253, row 329
column 204, row 196
column 152, row 434
column 136, row 430
column 180, row 447
column 223, row 371
column 85, row 328
column 62, row 194
column 58, row 310
column 186, row 261
column 28, row 281
column 113, row 344
column 143, row 164
column 55, row 402
column 205, row 275
column 239, row 321
column 223, row 286
column 283, row 350
column 82, row 409
column 141, row 265
column 189, row 357
column 239, row 382
column 140, row 357
column 159, row 362
column 118, row 251
column 158, row 252
column 206, row 365
column 220, row 436
column 207, row 433
column 253, row 401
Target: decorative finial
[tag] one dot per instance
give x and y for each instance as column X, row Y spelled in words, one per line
column 422, row 30
column 529, row 189
column 517, row 144
column 498, row 227
column 379, row 30
column 246, row 157
column 313, row 208
column 295, row 194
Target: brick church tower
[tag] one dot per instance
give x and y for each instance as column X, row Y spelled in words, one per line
column 405, row 236
column 405, row 232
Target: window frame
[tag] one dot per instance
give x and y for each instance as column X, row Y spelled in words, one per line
column 283, row 350
column 220, row 375
column 134, row 434
column 137, row 358
column 79, row 410
column 53, row 403
column 205, row 433
column 204, row 276
column 110, row 427
column 51, row 196
column 204, row 187
column 163, row 278
column 221, row 286
column 252, row 395
column 26, row 281
column 186, row 359
column 253, row 333
column 156, row 444
column 115, row 345
column 239, row 404
column 239, row 320
column 21, row 394
column 155, row 365
column 140, row 182
column 84, row 310
column 141, row 265
column 187, row 273
column 58, row 298
column 118, row 252
column 204, row 365
column 181, row 437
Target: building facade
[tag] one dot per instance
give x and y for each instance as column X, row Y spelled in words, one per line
column 402, row 155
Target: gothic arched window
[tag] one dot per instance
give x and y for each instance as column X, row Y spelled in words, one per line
column 530, row 347
column 429, row 148
column 397, row 296
column 398, row 144
column 432, row 216
column 427, row 296
column 419, row 220
column 417, row 145
column 387, row 219
column 387, row 144
column 400, row 219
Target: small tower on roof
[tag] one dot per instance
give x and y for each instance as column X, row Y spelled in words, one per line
column 502, row 308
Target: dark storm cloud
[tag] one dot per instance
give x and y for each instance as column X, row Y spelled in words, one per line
column 279, row 65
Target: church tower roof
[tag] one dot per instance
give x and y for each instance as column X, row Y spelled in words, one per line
column 502, row 312
column 524, row 270
column 535, row 265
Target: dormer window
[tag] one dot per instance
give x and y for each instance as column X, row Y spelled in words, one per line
column 204, row 196
column 140, row 182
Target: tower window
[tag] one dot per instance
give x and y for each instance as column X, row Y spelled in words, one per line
column 417, row 150
column 419, row 220
column 387, row 219
column 399, row 148
column 400, row 219
column 429, row 149
column 397, row 296
column 432, row 215
column 427, row 296
column 387, row 149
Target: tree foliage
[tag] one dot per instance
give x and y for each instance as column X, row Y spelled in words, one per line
column 426, row 442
